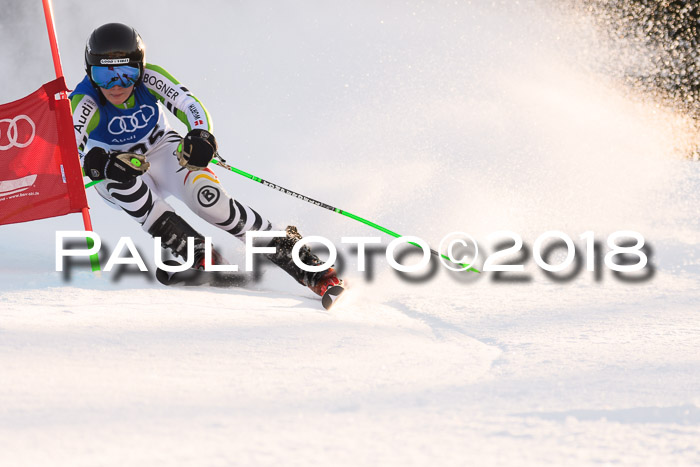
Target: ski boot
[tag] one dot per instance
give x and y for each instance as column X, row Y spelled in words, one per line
column 325, row 284
column 199, row 258
column 174, row 231
column 329, row 279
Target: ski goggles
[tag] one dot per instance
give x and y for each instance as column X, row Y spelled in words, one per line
column 109, row 76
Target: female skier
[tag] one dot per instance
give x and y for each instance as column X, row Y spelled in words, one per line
column 124, row 139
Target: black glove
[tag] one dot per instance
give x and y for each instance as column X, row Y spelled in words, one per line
column 118, row 166
column 197, row 149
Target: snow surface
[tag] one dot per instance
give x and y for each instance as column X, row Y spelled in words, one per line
column 443, row 116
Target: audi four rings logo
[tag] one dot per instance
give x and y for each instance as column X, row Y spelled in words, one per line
column 131, row 123
column 15, row 137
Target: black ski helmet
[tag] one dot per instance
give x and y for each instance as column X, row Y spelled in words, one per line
column 114, row 44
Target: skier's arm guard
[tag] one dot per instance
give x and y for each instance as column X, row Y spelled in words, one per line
column 177, row 98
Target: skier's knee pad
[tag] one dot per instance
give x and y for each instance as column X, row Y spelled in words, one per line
column 210, row 201
column 206, row 197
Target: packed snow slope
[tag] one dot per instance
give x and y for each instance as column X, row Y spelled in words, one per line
column 426, row 118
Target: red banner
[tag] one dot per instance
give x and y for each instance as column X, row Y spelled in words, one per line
column 40, row 173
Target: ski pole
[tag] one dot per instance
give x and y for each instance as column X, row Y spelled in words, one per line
column 312, row 201
column 327, row 206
